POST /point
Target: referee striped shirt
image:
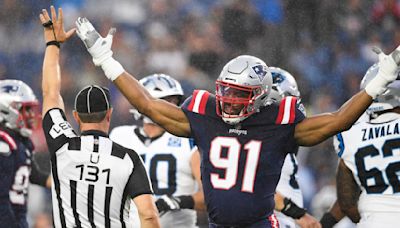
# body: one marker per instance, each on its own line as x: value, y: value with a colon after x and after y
x: 94, y: 178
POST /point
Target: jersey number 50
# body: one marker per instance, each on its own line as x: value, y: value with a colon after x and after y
x: 391, y: 169
x: 230, y: 163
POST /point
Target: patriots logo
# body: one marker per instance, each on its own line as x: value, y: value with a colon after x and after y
x: 9, y: 89
x: 277, y: 78
x: 259, y: 70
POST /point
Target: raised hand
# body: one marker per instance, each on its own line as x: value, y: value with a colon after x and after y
x: 54, y: 27
x: 388, y: 70
x: 99, y: 47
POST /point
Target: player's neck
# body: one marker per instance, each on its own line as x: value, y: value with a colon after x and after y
x: 152, y: 130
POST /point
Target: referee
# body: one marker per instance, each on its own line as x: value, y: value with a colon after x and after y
x: 94, y: 178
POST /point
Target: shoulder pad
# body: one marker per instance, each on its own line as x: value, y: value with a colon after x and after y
x: 7, y: 143
x: 198, y: 102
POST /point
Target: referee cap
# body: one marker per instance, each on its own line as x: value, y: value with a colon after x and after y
x: 92, y: 99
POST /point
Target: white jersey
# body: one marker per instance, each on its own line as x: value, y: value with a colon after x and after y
x: 168, y: 161
x: 94, y: 178
x: 289, y: 187
x: 371, y: 151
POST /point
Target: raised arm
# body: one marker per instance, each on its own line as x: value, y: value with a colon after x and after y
x: 54, y: 34
x: 169, y: 116
x: 316, y: 129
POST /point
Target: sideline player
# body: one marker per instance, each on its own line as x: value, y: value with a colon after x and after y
x: 370, y: 162
x: 94, y: 179
x: 288, y: 196
x: 173, y: 163
x: 19, y: 116
x: 233, y: 130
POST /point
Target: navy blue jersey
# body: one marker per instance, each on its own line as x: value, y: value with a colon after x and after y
x: 15, y: 169
x: 241, y: 164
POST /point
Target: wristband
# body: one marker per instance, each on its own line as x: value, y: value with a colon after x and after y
x: 328, y: 221
x: 186, y: 202
x: 112, y: 68
x: 53, y: 42
x: 292, y: 210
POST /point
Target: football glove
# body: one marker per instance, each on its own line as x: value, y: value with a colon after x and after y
x: 387, y: 73
x: 99, y: 47
x: 170, y: 203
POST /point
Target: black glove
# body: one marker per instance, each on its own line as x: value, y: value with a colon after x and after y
x: 170, y: 203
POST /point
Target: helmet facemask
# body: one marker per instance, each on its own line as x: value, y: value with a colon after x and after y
x: 235, y: 103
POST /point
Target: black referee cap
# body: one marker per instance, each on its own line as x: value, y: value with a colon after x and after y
x: 92, y: 99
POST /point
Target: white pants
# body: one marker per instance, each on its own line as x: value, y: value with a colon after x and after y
x: 379, y: 219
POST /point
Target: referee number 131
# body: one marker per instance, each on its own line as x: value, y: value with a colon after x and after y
x: 92, y: 173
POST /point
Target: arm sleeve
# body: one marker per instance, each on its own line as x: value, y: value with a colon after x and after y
x: 56, y: 129
x: 37, y: 176
x: 139, y: 182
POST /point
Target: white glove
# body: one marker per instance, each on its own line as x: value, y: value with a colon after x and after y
x: 387, y: 73
x: 99, y: 47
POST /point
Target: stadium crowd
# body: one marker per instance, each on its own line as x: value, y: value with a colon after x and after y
x: 325, y: 44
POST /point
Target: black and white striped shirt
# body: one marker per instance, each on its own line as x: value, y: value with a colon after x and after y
x: 94, y: 178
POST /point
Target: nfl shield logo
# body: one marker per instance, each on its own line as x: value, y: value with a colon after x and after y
x: 259, y: 70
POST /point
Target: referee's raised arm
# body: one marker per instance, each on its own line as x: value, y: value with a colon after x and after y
x: 54, y: 35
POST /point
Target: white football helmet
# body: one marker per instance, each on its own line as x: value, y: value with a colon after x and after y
x: 388, y: 100
x: 159, y: 86
x: 283, y: 84
x: 19, y: 108
x: 241, y: 88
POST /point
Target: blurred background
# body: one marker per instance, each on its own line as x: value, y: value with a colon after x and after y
x: 325, y: 44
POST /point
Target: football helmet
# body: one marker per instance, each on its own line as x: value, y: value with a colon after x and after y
x: 388, y: 100
x: 19, y: 108
x: 159, y: 86
x: 241, y: 88
x: 283, y: 84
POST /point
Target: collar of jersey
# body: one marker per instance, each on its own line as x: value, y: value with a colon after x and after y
x: 94, y: 132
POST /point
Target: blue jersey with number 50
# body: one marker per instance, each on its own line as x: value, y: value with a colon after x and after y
x: 241, y: 164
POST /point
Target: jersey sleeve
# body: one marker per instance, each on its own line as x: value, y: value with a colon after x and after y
x: 56, y: 129
x: 338, y: 144
x: 139, y: 182
x: 290, y: 111
x: 197, y: 103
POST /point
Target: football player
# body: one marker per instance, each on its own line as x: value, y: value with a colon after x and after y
x: 288, y: 197
x: 19, y: 116
x: 242, y: 142
x: 368, y: 182
x: 173, y: 163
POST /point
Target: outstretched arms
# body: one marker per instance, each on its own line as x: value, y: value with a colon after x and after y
x: 169, y: 116
x: 316, y: 129
x: 54, y: 34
